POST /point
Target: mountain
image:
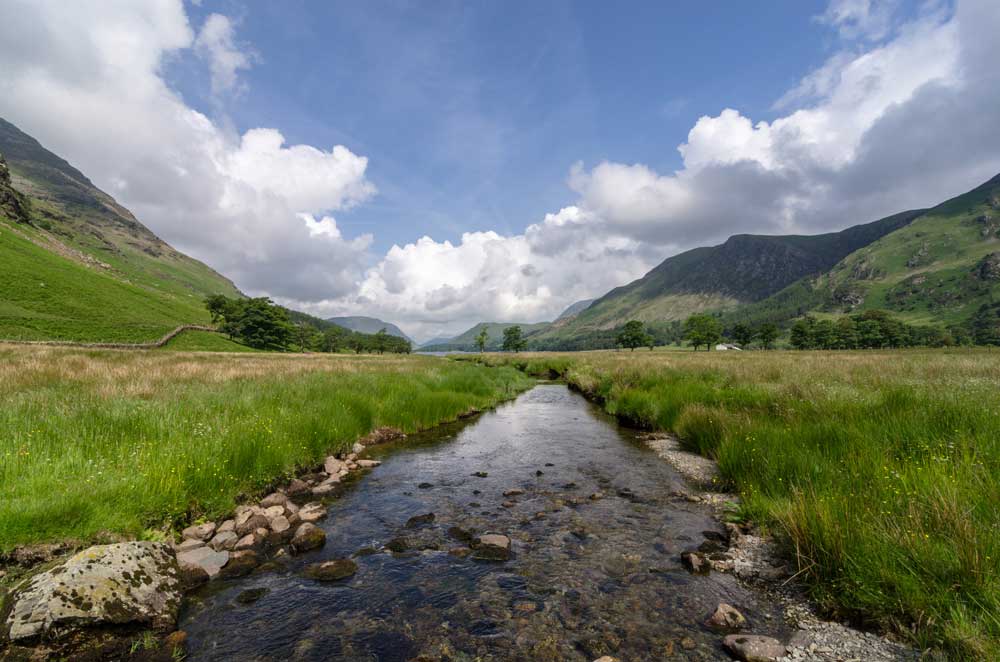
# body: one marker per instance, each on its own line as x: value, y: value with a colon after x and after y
x: 939, y: 269
x: 574, y: 309
x: 367, y: 325
x: 744, y: 269
x: 439, y: 340
x: 76, y: 265
x: 466, y: 342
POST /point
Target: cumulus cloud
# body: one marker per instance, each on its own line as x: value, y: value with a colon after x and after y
x: 85, y: 79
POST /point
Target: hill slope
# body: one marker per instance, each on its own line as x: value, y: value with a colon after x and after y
x: 367, y: 325
x: 744, y: 269
x: 938, y: 269
x: 79, y: 266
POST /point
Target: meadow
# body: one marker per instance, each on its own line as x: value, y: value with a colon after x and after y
x: 877, y: 470
x: 132, y: 443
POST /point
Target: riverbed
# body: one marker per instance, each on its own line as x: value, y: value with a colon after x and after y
x: 596, y: 527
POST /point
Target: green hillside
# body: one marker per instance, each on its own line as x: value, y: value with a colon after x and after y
x: 744, y: 269
x: 78, y: 266
x: 466, y: 341
x: 939, y: 269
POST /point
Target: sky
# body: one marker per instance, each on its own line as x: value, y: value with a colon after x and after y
x: 437, y: 164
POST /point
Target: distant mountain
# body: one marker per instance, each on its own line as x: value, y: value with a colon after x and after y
x: 744, y: 269
x: 76, y: 265
x: 466, y: 342
x: 367, y: 325
x: 574, y: 310
x: 440, y: 340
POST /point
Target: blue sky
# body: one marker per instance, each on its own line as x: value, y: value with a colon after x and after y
x: 437, y: 164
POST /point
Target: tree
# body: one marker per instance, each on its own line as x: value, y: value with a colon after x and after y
x: 702, y: 330
x: 307, y: 337
x: 802, y: 333
x: 263, y: 325
x: 870, y: 334
x: 218, y: 305
x: 381, y: 341
x: 767, y: 334
x: 824, y: 335
x: 847, y: 333
x: 512, y: 340
x: 633, y: 335
x: 741, y: 334
x: 482, y: 339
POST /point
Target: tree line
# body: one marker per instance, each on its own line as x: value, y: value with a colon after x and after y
x: 260, y: 323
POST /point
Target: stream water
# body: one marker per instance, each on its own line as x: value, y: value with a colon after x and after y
x: 588, y: 576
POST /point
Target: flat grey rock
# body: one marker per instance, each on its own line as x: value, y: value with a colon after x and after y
x: 124, y: 583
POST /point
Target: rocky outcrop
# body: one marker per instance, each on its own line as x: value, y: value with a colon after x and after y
x: 989, y: 268
x: 13, y: 204
x: 130, y: 583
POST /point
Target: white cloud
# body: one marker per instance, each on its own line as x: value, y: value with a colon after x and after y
x: 216, y: 44
x: 871, y: 19
x: 85, y: 79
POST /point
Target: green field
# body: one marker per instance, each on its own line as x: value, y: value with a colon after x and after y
x: 131, y: 442
x: 878, y: 470
x: 203, y: 341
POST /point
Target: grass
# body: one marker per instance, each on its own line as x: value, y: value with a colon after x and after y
x: 194, y: 340
x: 879, y: 470
x: 129, y: 441
x: 46, y: 296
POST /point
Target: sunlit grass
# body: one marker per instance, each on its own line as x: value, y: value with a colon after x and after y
x: 878, y: 469
x: 124, y: 441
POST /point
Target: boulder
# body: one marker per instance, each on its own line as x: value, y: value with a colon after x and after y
x: 280, y: 524
x: 333, y: 466
x: 297, y: 488
x: 193, y: 576
x: 188, y: 544
x: 274, y: 499
x: 249, y: 541
x: 308, y: 536
x: 491, y: 547
x: 754, y: 647
x: 330, y: 571
x: 357, y: 448
x: 224, y: 541
x: 368, y: 464
x: 206, y: 558
x: 228, y: 525
x: 274, y: 511
x: 121, y: 584
x: 199, y: 531
x: 726, y: 617
x: 291, y: 508
x: 250, y: 521
x: 240, y: 564
x: 312, y: 512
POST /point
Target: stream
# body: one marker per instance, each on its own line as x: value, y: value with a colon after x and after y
x: 588, y: 576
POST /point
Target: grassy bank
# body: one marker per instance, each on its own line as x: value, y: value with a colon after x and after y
x: 123, y: 441
x: 879, y: 469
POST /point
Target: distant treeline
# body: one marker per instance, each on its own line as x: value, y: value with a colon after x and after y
x: 262, y: 324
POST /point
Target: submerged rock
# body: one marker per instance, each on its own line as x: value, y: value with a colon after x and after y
x: 695, y: 563
x: 240, y: 564
x: 754, y: 647
x: 418, y: 520
x: 120, y: 584
x: 251, y: 595
x: 726, y: 617
x: 312, y: 512
x: 330, y: 571
x: 308, y: 536
x: 491, y: 547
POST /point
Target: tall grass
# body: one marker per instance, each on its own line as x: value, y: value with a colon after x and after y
x: 94, y: 441
x: 879, y: 470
